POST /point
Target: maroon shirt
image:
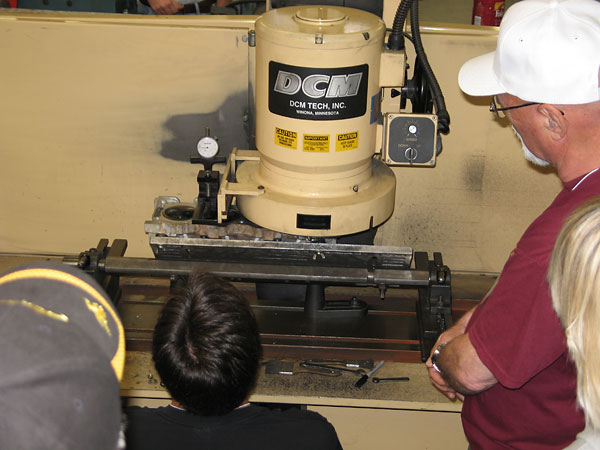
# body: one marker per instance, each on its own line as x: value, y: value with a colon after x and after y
x: 518, y: 337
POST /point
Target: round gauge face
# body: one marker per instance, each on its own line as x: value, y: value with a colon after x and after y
x: 208, y: 147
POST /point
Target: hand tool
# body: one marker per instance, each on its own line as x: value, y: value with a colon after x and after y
x: 325, y: 366
x: 350, y: 363
x: 383, y: 380
x: 362, y: 380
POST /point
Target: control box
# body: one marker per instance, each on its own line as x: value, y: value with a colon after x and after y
x: 410, y: 139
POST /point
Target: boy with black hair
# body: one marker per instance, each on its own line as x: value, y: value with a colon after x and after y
x: 206, y: 349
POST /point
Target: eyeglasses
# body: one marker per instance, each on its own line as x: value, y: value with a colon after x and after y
x: 499, y: 112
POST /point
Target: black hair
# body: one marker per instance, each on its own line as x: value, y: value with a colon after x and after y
x: 206, y: 346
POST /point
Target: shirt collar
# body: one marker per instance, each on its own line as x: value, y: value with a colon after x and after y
x: 575, y: 183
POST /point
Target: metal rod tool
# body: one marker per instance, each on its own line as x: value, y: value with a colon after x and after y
x: 362, y: 380
x: 384, y: 380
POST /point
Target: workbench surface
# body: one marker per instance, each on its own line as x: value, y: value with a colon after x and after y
x: 141, y: 380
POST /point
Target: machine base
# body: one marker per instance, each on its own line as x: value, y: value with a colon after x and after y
x: 365, y: 207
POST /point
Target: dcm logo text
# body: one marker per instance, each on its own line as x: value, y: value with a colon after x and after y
x: 317, y: 85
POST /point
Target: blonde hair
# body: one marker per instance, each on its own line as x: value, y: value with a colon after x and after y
x: 574, y: 278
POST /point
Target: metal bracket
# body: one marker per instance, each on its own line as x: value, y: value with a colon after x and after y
x: 92, y: 261
x: 230, y: 187
x: 434, y: 307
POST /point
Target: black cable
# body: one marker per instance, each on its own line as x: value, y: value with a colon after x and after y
x: 406, y: 35
x: 436, y: 91
x: 396, y: 38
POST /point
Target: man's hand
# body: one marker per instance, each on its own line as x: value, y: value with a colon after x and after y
x: 438, y: 381
x: 447, y: 336
x: 460, y: 369
x: 436, y: 378
x: 165, y: 6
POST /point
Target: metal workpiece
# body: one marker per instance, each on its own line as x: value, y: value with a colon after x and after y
x: 295, y: 253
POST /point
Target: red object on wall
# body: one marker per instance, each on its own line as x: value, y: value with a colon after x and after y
x: 487, y: 12
x: 12, y: 3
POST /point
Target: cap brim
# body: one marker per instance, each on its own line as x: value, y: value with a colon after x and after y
x: 68, y: 291
x: 476, y: 77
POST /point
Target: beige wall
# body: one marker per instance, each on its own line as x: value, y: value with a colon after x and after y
x: 93, y: 108
x: 88, y: 105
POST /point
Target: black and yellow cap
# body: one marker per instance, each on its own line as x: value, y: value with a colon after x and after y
x: 62, y: 356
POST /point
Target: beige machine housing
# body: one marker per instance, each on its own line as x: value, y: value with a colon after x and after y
x: 317, y: 107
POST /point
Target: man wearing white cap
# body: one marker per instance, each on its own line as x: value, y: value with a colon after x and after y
x: 507, y: 357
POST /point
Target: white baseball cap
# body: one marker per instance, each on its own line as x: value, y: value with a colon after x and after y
x: 548, y: 51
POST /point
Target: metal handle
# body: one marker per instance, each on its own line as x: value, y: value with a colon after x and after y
x: 383, y: 380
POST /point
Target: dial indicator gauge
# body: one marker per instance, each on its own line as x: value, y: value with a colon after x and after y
x: 208, y: 147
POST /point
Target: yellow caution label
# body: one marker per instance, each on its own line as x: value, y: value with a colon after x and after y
x: 346, y: 141
x: 318, y: 143
x: 286, y: 138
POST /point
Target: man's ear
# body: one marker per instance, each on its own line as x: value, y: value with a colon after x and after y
x: 554, y: 121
